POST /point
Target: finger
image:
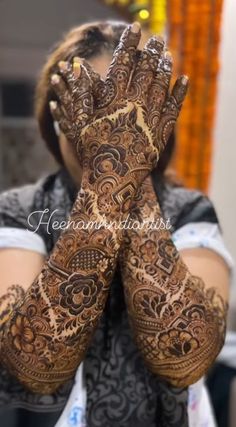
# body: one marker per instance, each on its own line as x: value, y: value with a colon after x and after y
x: 94, y: 76
x: 123, y: 61
x: 159, y: 90
x: 66, y: 71
x: 176, y: 99
x: 171, y: 111
x: 151, y: 55
x: 59, y: 116
x: 79, y: 83
x: 62, y: 92
x: 83, y: 104
x: 147, y: 65
x: 98, y: 84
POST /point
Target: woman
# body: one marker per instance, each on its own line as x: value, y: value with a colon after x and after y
x: 113, y: 132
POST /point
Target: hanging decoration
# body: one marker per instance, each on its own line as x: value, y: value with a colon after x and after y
x: 194, y: 36
x: 132, y: 10
x: 193, y: 30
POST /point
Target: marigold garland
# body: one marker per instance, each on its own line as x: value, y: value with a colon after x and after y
x: 194, y: 34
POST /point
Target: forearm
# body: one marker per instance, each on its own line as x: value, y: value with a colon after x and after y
x: 178, y: 320
x: 14, y: 294
x: 47, y: 334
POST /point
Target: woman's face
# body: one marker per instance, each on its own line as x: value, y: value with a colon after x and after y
x: 68, y: 151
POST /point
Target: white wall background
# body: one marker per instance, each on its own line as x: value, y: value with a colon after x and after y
x: 223, y: 181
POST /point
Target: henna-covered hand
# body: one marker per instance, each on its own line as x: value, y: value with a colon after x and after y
x: 178, y: 323
x: 120, y: 125
x: 60, y: 310
x: 44, y: 337
x: 177, y: 320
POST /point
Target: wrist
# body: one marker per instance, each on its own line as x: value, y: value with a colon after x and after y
x: 146, y: 199
x: 113, y: 195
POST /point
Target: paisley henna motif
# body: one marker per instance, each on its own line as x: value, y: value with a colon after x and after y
x: 178, y: 323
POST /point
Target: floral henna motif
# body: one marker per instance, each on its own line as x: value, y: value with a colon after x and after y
x: 178, y: 323
x: 79, y: 292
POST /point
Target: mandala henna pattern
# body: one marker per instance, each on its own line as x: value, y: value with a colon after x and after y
x: 178, y: 322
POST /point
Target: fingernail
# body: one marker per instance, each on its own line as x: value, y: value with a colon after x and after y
x: 52, y: 105
x: 76, y: 68
x: 135, y: 27
x: 184, y: 80
x: 55, y: 79
x: 62, y: 65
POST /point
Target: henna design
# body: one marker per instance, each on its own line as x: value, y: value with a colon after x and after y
x: 131, y: 112
x: 178, y: 322
x: 72, y: 120
x: 8, y: 302
x: 47, y: 335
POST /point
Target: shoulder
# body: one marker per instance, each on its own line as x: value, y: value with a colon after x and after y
x: 185, y: 206
x: 17, y: 203
x: 193, y: 218
x: 30, y: 208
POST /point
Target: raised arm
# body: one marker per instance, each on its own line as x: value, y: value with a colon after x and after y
x: 47, y: 333
x: 60, y: 310
x: 177, y: 309
x: 45, y: 336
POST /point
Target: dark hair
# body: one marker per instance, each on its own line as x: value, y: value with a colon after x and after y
x: 86, y: 41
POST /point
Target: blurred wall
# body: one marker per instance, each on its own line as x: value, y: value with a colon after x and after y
x: 29, y: 28
x: 223, y: 182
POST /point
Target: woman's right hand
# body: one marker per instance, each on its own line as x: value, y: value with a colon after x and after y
x: 119, y: 125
